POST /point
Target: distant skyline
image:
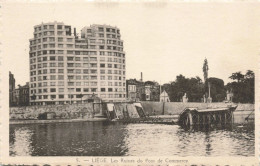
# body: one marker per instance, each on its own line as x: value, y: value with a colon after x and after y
x: 162, y: 40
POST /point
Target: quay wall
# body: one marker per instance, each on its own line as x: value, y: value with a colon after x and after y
x: 73, y: 111
x: 86, y: 111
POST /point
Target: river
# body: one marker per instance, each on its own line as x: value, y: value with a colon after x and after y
x: 118, y: 139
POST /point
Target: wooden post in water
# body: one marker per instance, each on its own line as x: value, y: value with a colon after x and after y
x: 190, y: 119
x: 163, y: 108
x: 203, y: 117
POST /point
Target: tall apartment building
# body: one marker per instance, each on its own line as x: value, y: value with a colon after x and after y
x: 68, y: 68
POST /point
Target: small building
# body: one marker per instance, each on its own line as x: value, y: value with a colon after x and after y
x: 24, y: 95
x: 164, y: 97
x: 134, y: 90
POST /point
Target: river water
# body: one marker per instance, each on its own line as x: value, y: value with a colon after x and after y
x: 118, y: 139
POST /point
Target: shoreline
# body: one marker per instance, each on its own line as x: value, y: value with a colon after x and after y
x: 36, y: 121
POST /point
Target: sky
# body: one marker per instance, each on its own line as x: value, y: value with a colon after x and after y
x: 161, y: 39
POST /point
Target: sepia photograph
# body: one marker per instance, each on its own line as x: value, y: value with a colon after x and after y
x: 130, y: 79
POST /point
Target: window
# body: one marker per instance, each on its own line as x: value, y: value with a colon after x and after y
x: 93, y: 71
x: 69, y: 45
x: 60, y: 83
x: 61, y: 89
x: 93, y: 77
x: 70, y: 64
x: 93, y: 83
x: 102, y: 65
x: 69, y: 52
x: 85, y: 89
x: 59, y: 26
x: 52, y: 51
x: 61, y: 77
x: 60, y: 52
x: 93, y: 65
x: 51, y: 39
x: 110, y: 89
x: 70, y: 77
x: 78, y: 77
x: 70, y: 71
x: 60, y: 58
x: 61, y: 96
x: 109, y: 66
x: 85, y: 77
x: 85, y: 58
x: 70, y: 58
x: 102, y: 77
x: 60, y: 45
x: 53, y: 96
x: 93, y: 89
x: 77, y: 59
x: 52, y: 70
x: 78, y: 83
x: 60, y: 33
x: 103, y: 89
x: 102, y: 71
x: 60, y: 39
x: 93, y: 58
x: 78, y: 64
x: 78, y: 71
x: 71, y: 83
x: 53, y: 89
x: 52, y: 58
x: 53, y: 77
x: 85, y: 65
x: 60, y: 64
x: 85, y: 71
x: 52, y: 64
x: 86, y: 83
x: 69, y: 40
x: 78, y: 89
x: 53, y: 83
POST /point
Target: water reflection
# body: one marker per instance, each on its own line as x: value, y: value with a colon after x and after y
x: 117, y: 139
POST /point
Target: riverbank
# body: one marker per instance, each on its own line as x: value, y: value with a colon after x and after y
x: 13, y: 122
x: 87, y: 112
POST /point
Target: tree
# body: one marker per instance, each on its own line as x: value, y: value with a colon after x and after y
x: 243, y: 87
x: 193, y: 87
x: 237, y: 76
x: 217, y: 89
x: 81, y: 95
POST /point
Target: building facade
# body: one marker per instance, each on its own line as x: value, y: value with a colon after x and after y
x: 135, y: 90
x: 66, y: 67
x: 24, y: 95
x: 11, y: 89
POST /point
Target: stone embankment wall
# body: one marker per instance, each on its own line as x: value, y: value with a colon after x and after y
x: 85, y: 111
x: 74, y: 111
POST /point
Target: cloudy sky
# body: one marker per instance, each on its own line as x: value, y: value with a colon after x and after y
x: 161, y: 40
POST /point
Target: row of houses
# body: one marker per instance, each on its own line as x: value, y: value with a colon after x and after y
x: 136, y: 90
x: 18, y: 96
